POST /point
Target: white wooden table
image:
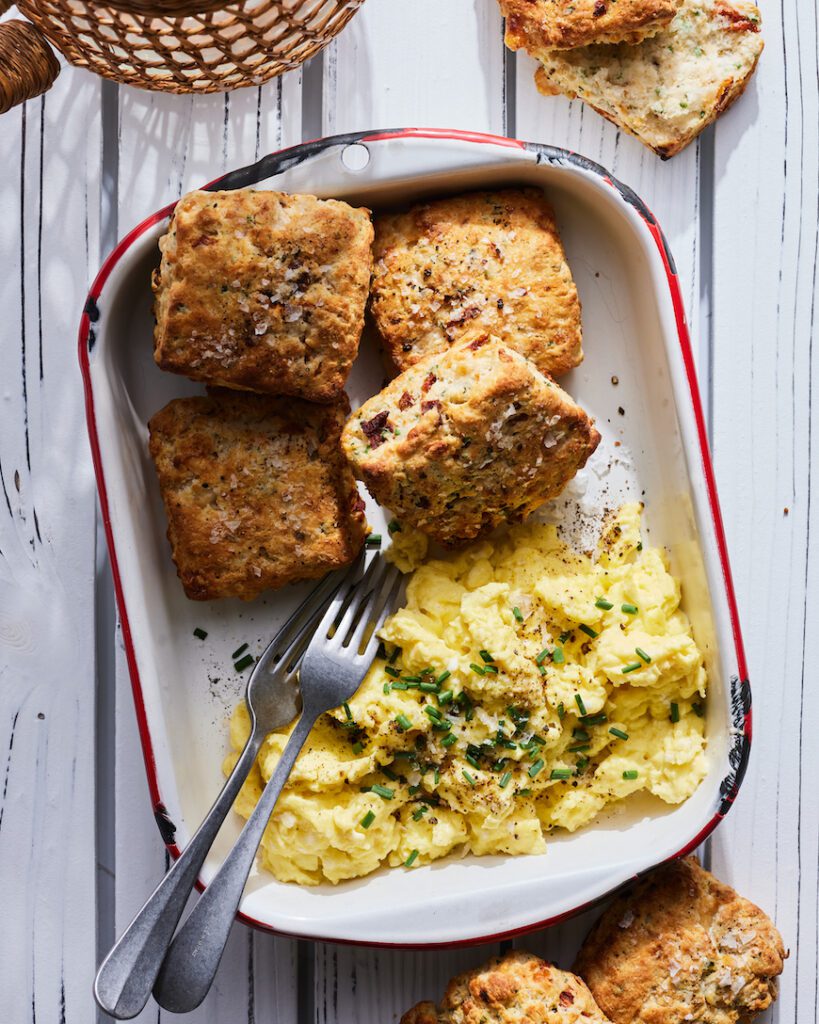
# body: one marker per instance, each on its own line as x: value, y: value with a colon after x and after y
x: 78, y: 846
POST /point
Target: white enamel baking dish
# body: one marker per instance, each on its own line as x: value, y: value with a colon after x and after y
x: 184, y: 688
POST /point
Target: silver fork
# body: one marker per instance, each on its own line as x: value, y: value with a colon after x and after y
x: 127, y: 975
x: 332, y: 669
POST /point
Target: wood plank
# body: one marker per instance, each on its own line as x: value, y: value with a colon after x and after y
x: 394, y: 68
x: 766, y: 436
x: 49, y: 208
x: 167, y: 146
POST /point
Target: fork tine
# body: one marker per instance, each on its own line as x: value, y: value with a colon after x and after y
x: 387, y: 606
x: 358, y: 601
x: 374, y: 610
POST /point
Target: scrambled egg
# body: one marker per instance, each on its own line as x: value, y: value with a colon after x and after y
x: 522, y: 689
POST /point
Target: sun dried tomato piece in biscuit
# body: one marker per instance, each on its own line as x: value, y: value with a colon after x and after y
x: 518, y: 988
x: 263, y: 291
x: 682, y: 946
x: 465, y: 441
x: 256, y: 490
x: 538, y: 25
x: 474, y: 264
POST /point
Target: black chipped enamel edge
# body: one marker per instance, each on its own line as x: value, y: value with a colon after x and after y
x: 166, y: 827
x: 740, y: 751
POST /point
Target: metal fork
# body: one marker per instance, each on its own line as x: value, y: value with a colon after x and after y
x: 127, y: 975
x: 332, y: 669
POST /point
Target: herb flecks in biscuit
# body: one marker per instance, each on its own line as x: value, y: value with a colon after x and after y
x: 666, y: 89
x: 476, y: 264
x: 538, y: 25
x: 518, y: 988
x: 460, y: 443
x: 263, y: 291
x: 680, y: 946
x: 256, y: 491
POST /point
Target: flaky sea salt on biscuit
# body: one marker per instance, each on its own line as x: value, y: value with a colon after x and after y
x: 538, y: 25
x: 465, y: 441
x: 467, y: 265
x: 682, y: 946
x: 256, y: 491
x: 518, y: 988
x: 263, y: 291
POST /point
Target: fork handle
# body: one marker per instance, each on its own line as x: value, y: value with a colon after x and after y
x: 191, y: 963
x: 127, y: 975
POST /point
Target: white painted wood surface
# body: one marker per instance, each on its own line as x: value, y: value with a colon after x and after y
x: 740, y: 211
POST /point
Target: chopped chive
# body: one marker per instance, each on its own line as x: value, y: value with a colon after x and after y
x: 368, y: 819
x: 536, y: 767
x: 581, y: 764
x: 642, y: 654
x: 374, y: 540
x: 471, y: 760
x: 560, y: 773
x: 390, y: 774
x: 442, y: 678
x: 394, y: 526
x: 639, y: 545
x: 433, y: 712
x: 436, y: 776
x: 491, y: 668
x: 631, y: 775
x: 517, y: 613
x: 394, y: 655
x: 449, y: 739
x: 561, y: 711
x: 412, y: 679
x: 469, y: 714
x: 428, y: 687
x: 601, y: 602
x: 413, y: 790
x: 358, y: 746
x: 618, y: 733
x: 400, y: 686
x: 445, y: 697
x: 629, y: 609
x: 632, y: 667
x: 347, y: 711
x: 243, y: 663
x: 698, y: 708
x: 394, y: 672
x: 542, y: 669
x: 411, y: 859
x: 544, y: 654
x: 444, y: 726
x: 675, y: 711
x: 239, y: 652
x: 597, y: 719
x: 588, y: 631
x: 563, y: 637
x: 579, y: 748
x: 580, y: 704
x: 504, y: 780
x: 383, y: 791
x: 523, y: 792
x: 477, y: 669
x: 422, y: 810
x: 486, y: 656
x: 558, y: 657
x: 469, y: 778
x: 387, y: 688
x: 403, y: 722
x: 200, y: 634
x: 580, y: 734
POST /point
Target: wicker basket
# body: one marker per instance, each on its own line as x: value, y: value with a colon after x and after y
x: 244, y: 44
x: 27, y: 63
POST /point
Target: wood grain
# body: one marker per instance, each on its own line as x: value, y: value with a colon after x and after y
x: 49, y: 208
x: 167, y: 146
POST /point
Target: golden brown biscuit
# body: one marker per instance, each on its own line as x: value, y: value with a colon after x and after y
x: 485, y: 262
x: 263, y: 291
x: 256, y: 490
x: 518, y: 988
x: 538, y: 25
x: 666, y: 89
x: 462, y: 442
x: 681, y: 946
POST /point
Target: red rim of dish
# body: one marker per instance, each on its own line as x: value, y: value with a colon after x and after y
x: 267, y: 167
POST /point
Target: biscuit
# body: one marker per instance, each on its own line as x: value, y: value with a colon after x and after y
x: 668, y: 88
x: 462, y: 442
x: 256, y: 491
x: 263, y: 291
x: 680, y: 945
x: 538, y: 25
x: 518, y: 988
x: 481, y: 263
